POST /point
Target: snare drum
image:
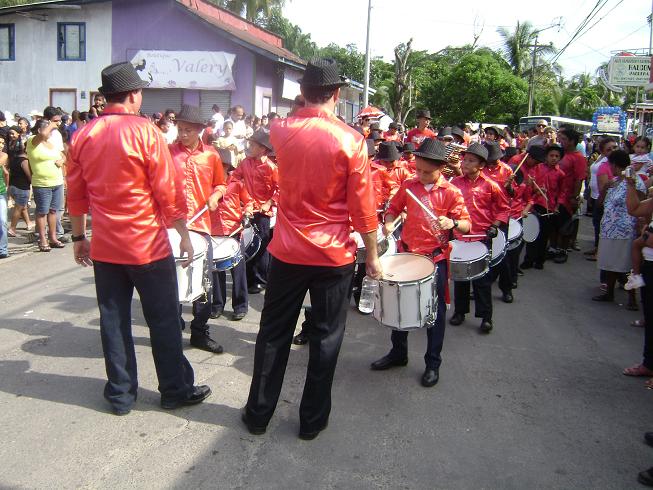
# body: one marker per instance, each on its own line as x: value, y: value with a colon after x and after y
x: 191, y: 281
x: 468, y: 260
x: 515, y: 233
x: 531, y: 227
x: 498, y: 248
x: 226, y: 253
x: 382, y: 245
x: 250, y: 242
x: 405, y: 296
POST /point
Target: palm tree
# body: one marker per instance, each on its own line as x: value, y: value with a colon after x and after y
x: 250, y: 9
x: 517, y: 47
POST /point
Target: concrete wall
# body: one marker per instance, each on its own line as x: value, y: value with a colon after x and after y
x: 25, y: 83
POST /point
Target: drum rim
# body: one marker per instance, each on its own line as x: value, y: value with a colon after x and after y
x: 413, y: 281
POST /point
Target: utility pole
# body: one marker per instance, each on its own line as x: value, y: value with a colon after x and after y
x: 531, y: 82
x: 366, y: 87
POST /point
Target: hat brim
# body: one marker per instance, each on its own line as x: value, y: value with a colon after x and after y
x: 269, y: 147
x: 142, y: 84
x: 189, y: 121
x: 475, y: 154
x: 430, y: 158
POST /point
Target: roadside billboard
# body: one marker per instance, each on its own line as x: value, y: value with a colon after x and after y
x: 629, y: 71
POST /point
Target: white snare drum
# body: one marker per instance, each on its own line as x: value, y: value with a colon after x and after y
x: 192, y: 281
x: 405, y: 296
x: 531, y: 227
x: 273, y: 220
x: 382, y: 245
x: 515, y: 232
x: 226, y: 253
x: 250, y: 242
x: 498, y: 248
x: 468, y: 260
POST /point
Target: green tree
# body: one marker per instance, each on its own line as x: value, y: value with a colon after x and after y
x: 517, y: 47
x: 251, y: 10
x: 294, y: 39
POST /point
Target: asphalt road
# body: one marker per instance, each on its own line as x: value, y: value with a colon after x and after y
x: 538, y: 403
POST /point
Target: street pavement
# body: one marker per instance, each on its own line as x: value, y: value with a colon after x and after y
x: 538, y: 403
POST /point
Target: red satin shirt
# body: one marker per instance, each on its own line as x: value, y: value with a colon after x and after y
x: 485, y: 201
x: 261, y: 178
x: 552, y: 182
x: 499, y: 173
x: 120, y: 168
x: 410, y: 166
x: 416, y: 136
x: 574, y: 166
x: 324, y: 189
x: 420, y: 232
x: 233, y: 205
x: 202, y: 176
x: 381, y: 183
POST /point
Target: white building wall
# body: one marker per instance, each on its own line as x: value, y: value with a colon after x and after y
x: 26, y: 82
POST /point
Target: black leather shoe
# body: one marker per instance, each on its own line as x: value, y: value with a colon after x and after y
x: 457, y: 319
x: 387, y: 362
x: 204, y: 342
x: 121, y: 411
x: 525, y: 265
x: 309, y: 436
x: 215, y: 314
x: 507, y: 298
x: 646, y: 477
x: 430, y: 377
x: 196, y: 395
x: 648, y: 437
x: 486, y: 326
x: 256, y: 289
x: 236, y: 317
x: 253, y: 429
x: 300, y: 339
x: 539, y: 267
x: 514, y: 285
x: 520, y: 272
x: 560, y: 258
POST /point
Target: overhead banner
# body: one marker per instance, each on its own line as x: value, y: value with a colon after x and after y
x: 208, y: 70
x: 629, y: 71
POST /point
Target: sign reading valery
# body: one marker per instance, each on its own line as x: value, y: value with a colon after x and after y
x: 629, y: 71
x: 208, y: 70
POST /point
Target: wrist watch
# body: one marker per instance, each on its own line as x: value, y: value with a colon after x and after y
x: 455, y: 224
x: 78, y: 238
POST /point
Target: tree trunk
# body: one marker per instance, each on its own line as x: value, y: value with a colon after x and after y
x: 401, y: 85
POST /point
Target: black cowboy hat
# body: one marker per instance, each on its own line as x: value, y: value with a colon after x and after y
x: 408, y: 148
x: 190, y: 114
x: 479, y: 150
x: 423, y: 113
x: 432, y: 149
x: 371, y: 148
x: 120, y: 77
x: 322, y: 72
x: 376, y: 136
x: 538, y: 153
x: 494, y: 152
x: 388, y: 152
x: 262, y: 138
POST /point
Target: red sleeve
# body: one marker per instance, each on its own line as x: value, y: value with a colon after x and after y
x: 360, y: 192
x: 500, y: 204
x: 458, y: 209
x: 76, y: 185
x: 562, y: 194
x: 218, y: 175
x: 581, y: 168
x: 398, y: 202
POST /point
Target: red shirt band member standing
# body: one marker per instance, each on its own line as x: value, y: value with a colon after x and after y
x: 422, y: 131
x: 119, y: 167
x: 422, y: 235
x: 489, y: 209
x: 324, y: 190
x: 204, y: 185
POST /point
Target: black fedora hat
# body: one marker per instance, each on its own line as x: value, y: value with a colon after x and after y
x: 376, y: 135
x: 537, y: 153
x: 262, y: 138
x: 445, y: 133
x: 393, y: 125
x: 408, y: 148
x: 322, y: 72
x: 498, y: 131
x: 423, y: 113
x: 388, y: 152
x: 456, y: 131
x: 190, y: 114
x: 510, y: 152
x: 479, y: 150
x: 432, y: 149
x: 494, y: 152
x: 120, y: 77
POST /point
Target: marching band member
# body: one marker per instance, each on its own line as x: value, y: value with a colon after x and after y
x: 422, y: 235
x: 489, y: 210
x: 388, y: 157
x: 408, y: 158
x: 204, y: 184
x: 547, y: 188
x: 500, y: 173
x: 261, y: 177
x: 458, y: 135
x: 520, y: 207
x: 422, y: 131
x: 392, y: 134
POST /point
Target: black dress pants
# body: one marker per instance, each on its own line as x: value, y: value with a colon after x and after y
x: 647, y: 304
x: 330, y: 289
x: 257, y: 268
x: 482, y: 296
x: 536, y: 251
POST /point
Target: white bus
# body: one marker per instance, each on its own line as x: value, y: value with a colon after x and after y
x: 527, y: 122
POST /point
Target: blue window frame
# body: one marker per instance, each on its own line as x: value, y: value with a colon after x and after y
x: 7, y: 42
x: 71, y: 41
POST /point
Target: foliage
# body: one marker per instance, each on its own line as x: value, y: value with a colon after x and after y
x: 294, y: 39
x: 252, y: 10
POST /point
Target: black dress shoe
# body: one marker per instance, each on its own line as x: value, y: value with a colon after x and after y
x: 603, y: 298
x: 215, y: 314
x: 300, y: 339
x: 430, y: 377
x: 507, y: 298
x: 196, y: 395
x: 648, y: 437
x: 560, y: 258
x: 525, y: 265
x: 256, y: 289
x: 520, y: 272
x: 514, y: 285
x: 204, y: 342
x: 255, y: 430
x: 121, y: 411
x: 646, y: 477
x: 457, y: 319
x: 486, y: 325
x: 309, y: 436
x: 539, y: 267
x: 236, y: 317
x: 387, y: 362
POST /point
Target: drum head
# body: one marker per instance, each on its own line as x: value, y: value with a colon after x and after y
x: 224, y: 247
x: 406, y: 267
x: 467, y: 251
x: 514, y: 230
x: 498, y: 244
x: 531, y: 228
x: 247, y: 236
x: 197, y: 240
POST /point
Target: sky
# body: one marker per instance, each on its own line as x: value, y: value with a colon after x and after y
x: 435, y: 24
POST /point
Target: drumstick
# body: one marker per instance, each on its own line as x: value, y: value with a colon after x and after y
x: 200, y: 213
x: 521, y: 163
x: 396, y: 222
x: 421, y: 204
x: 543, y: 195
x: 236, y: 231
x: 474, y: 236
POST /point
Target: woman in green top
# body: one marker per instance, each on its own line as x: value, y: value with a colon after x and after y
x: 46, y: 164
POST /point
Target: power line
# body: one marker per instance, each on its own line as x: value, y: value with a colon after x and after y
x: 599, y: 50
x: 597, y: 8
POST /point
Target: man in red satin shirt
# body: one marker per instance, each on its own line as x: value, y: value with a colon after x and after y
x: 324, y: 190
x: 120, y: 167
